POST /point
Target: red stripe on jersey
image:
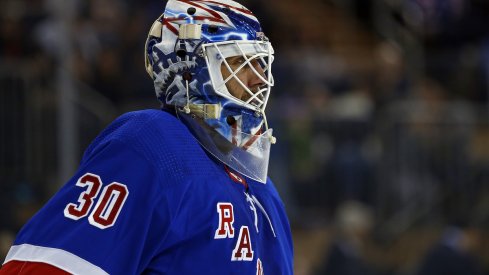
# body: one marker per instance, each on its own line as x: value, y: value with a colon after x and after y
x: 30, y: 268
x: 235, y: 177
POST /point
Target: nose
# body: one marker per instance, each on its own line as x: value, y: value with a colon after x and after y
x: 256, y: 80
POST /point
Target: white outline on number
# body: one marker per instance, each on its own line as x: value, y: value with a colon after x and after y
x: 81, y: 199
x: 109, y: 206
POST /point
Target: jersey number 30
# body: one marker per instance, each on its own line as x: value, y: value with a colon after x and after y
x: 107, y: 206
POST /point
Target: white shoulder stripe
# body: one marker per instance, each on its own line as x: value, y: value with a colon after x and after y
x: 53, y: 256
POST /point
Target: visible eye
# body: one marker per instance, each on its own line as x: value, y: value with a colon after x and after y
x: 237, y: 60
x: 256, y: 63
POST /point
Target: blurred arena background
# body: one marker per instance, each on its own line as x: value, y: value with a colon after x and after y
x: 381, y: 109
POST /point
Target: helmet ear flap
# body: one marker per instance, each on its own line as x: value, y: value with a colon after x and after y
x: 154, y: 33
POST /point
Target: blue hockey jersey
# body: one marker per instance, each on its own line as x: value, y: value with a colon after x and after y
x: 147, y: 199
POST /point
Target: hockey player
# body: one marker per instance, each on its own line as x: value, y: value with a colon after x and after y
x: 182, y: 190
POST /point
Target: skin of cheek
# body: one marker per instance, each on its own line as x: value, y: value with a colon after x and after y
x: 233, y: 86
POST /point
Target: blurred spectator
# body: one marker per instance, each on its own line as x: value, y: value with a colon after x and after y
x: 479, y: 160
x: 6, y: 240
x: 348, y: 174
x: 454, y: 253
x: 389, y: 77
x: 346, y: 254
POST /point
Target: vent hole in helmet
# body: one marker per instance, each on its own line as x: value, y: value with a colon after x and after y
x: 181, y: 53
x: 212, y: 28
x: 230, y: 120
x: 191, y: 11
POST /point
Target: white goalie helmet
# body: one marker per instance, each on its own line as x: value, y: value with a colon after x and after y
x: 211, y: 63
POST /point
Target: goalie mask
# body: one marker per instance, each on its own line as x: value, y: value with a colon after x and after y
x: 211, y: 62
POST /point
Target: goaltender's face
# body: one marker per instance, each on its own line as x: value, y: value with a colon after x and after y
x: 246, y: 75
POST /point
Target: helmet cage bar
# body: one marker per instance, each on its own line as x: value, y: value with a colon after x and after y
x: 248, y: 60
x: 260, y: 50
x: 260, y: 93
x: 254, y: 95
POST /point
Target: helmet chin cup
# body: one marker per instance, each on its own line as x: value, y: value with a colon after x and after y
x: 250, y: 161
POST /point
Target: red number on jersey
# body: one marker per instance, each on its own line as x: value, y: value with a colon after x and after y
x: 85, y: 200
x: 108, y: 206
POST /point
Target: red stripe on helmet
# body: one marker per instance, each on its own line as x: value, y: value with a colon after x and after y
x: 212, y: 12
x: 234, y: 133
x: 252, y: 139
x: 166, y: 22
x: 245, y: 11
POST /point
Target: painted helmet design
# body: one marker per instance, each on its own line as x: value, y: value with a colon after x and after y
x: 211, y: 62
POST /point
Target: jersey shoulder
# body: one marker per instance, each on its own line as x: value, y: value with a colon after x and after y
x: 132, y: 126
x: 160, y: 138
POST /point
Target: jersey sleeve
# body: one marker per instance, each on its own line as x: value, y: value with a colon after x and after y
x: 106, y: 219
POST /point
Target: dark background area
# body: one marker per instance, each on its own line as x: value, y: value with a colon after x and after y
x: 380, y: 107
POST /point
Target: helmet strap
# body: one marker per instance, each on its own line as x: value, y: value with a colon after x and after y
x: 186, y: 109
